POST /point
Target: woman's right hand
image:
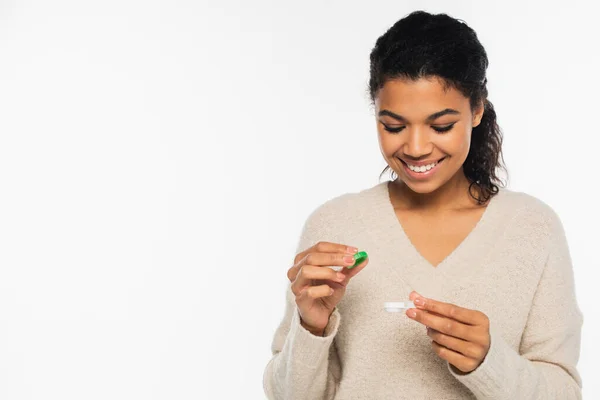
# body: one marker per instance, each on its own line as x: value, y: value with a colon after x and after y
x: 319, y: 289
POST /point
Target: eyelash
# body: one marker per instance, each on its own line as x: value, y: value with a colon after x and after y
x: 439, y: 130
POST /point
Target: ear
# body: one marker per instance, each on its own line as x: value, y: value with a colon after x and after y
x: 478, y: 115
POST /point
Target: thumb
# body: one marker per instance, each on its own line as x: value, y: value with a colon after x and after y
x: 351, y: 272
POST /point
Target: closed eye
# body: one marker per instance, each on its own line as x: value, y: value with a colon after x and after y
x: 437, y: 129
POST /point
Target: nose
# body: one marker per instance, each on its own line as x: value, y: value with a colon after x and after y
x: 418, y: 143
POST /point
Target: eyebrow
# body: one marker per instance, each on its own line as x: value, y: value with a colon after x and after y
x: 430, y: 118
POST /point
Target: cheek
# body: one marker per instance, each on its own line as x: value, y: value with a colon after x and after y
x: 456, y: 143
x: 387, y: 144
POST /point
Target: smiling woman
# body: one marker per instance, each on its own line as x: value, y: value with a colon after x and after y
x: 483, y: 272
x: 441, y: 108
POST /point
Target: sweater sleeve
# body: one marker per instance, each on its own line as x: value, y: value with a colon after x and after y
x: 544, y: 367
x: 303, y: 366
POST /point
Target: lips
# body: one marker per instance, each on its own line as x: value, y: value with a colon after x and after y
x: 421, y: 163
x: 419, y: 176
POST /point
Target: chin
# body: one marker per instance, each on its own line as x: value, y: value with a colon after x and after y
x: 422, y: 188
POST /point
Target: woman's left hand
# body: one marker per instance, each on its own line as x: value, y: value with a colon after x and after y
x: 460, y: 336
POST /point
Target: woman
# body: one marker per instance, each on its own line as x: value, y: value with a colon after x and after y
x: 488, y: 268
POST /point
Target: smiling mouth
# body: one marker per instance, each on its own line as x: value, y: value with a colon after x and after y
x: 437, y: 162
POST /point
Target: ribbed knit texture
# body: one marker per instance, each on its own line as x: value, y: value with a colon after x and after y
x: 514, y: 266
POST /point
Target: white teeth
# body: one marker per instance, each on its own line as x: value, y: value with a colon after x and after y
x: 422, y: 168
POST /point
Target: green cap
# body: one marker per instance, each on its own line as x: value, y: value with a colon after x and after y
x: 359, y: 257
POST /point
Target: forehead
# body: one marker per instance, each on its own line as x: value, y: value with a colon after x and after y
x: 423, y: 96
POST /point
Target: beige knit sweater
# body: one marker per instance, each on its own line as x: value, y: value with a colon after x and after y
x: 514, y: 266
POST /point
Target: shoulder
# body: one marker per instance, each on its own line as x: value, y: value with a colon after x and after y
x: 345, y: 206
x: 330, y: 219
x: 531, y: 204
x: 531, y: 211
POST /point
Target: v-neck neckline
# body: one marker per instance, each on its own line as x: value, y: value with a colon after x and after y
x: 466, y: 253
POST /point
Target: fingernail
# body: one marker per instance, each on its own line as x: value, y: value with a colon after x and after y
x: 341, y: 276
x: 412, y: 313
x: 349, y: 259
x: 419, y: 301
x: 352, y: 250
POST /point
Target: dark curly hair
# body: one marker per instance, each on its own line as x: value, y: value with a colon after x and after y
x: 423, y: 45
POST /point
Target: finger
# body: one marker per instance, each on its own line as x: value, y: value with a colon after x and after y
x: 309, y: 273
x: 350, y: 273
x: 313, y: 292
x: 414, y: 295
x: 445, y: 325
x: 325, y: 247
x: 459, y: 361
x: 321, y: 259
x: 468, y: 349
x: 464, y: 315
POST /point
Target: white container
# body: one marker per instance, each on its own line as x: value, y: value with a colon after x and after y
x: 398, y: 306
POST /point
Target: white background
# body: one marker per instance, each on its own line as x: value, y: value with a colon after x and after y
x: 158, y: 160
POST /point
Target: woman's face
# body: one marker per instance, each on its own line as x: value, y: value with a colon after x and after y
x: 416, y: 109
